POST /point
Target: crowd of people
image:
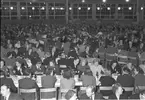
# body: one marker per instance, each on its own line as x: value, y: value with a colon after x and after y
x: 94, y: 52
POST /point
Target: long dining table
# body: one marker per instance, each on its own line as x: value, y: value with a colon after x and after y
x: 38, y: 80
x: 58, y: 77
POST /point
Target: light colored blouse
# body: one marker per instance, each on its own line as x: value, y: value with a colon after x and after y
x: 67, y: 83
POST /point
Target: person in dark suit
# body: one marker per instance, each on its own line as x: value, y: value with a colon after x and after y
x: 49, y: 80
x: 90, y: 94
x: 108, y: 81
x: 117, y: 92
x: 28, y: 83
x: 126, y: 80
x: 8, y: 81
x: 7, y: 94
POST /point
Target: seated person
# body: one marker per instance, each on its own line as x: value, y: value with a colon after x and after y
x: 88, y: 79
x: 115, y: 67
x: 71, y: 95
x: 82, y: 66
x: 8, y: 81
x: 96, y: 68
x: 139, y: 78
x: 107, y: 81
x: 138, y: 96
x: 3, y: 68
x: 91, y: 94
x: 67, y: 82
x: 7, y: 94
x: 28, y: 83
x: 19, y: 68
x: 117, y: 92
x: 38, y: 68
x: 49, y: 80
x: 126, y: 80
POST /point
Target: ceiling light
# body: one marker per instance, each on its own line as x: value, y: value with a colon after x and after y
x: 79, y: 8
x: 108, y: 8
x: 89, y: 8
x: 98, y: 8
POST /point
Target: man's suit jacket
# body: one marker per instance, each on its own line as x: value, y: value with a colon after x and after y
x: 48, y: 81
x: 28, y: 83
x: 107, y: 81
x: 9, y: 82
x: 98, y: 96
x: 13, y: 96
x: 113, y: 97
x: 126, y: 80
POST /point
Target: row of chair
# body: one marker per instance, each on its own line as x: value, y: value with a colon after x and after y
x: 63, y: 91
x: 107, y: 88
x: 42, y: 90
x: 122, y: 59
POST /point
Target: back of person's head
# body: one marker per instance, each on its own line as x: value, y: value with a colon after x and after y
x: 142, y: 95
x: 67, y: 74
x: 90, y: 90
x: 70, y: 95
x: 115, y: 87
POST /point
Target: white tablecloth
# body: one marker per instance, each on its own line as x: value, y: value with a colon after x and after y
x: 38, y: 80
x: 57, y: 84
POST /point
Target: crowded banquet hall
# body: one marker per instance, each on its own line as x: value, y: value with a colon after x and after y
x: 72, y: 50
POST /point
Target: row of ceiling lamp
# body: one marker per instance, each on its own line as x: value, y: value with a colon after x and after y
x: 79, y: 8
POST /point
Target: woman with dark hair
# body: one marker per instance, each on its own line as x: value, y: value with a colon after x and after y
x: 117, y: 92
x: 82, y: 66
x: 19, y: 68
x: 3, y: 69
x: 115, y: 68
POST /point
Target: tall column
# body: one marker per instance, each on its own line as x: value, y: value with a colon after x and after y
x: 18, y: 10
x: 94, y: 11
x: 66, y: 12
x: 71, y: 12
x: 139, y: 12
x: 47, y: 11
x: 116, y: 11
